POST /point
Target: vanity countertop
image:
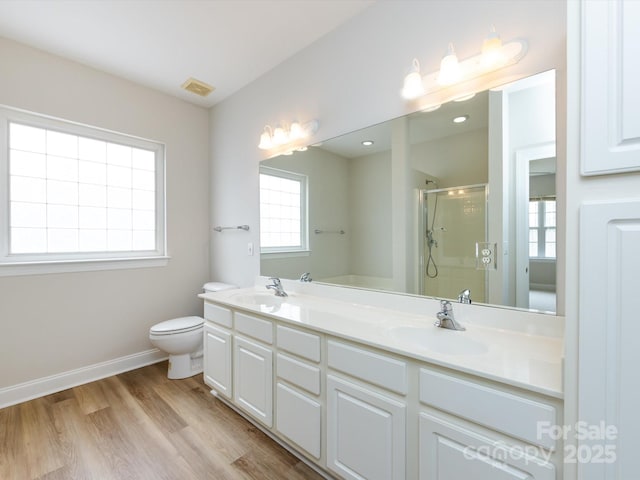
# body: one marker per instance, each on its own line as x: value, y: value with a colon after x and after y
x: 519, y: 358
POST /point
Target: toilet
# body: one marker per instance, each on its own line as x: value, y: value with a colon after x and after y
x: 181, y: 338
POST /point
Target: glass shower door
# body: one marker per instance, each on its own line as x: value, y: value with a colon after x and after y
x: 455, y: 219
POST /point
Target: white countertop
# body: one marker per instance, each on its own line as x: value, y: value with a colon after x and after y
x: 511, y: 356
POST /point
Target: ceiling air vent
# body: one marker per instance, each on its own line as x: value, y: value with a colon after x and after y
x: 196, y: 86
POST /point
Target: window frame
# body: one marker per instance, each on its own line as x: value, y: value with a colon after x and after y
x: 29, y: 263
x: 542, y: 228
x: 285, y: 251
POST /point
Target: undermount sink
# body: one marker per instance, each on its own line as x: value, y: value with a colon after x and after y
x: 448, y: 342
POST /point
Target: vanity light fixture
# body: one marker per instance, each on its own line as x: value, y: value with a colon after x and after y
x: 413, y: 86
x: 493, y: 56
x: 460, y: 119
x: 283, y: 138
x: 449, y: 68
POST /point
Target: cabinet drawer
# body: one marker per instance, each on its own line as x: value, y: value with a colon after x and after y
x: 254, y: 327
x: 372, y: 367
x: 302, y: 344
x: 216, y: 314
x: 505, y: 412
x: 298, y: 373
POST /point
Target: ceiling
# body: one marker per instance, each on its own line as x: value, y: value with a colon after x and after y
x: 161, y: 43
x: 423, y: 127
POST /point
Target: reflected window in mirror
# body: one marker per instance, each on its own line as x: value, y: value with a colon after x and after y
x: 283, y: 207
x: 542, y: 228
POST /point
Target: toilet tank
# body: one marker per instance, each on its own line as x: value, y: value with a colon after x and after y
x: 217, y: 287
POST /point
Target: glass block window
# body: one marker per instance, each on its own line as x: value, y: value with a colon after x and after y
x: 542, y: 228
x: 78, y: 193
x: 283, y: 211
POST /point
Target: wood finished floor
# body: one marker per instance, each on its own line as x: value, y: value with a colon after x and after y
x: 138, y: 425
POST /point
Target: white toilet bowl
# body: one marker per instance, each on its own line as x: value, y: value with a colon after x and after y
x: 182, y: 338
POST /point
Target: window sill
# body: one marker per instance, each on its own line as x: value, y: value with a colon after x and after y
x: 290, y: 254
x: 68, y: 266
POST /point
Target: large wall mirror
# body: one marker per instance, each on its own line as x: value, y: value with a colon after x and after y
x: 433, y: 203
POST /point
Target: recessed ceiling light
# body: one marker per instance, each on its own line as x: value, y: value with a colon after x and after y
x: 460, y: 119
x: 367, y: 143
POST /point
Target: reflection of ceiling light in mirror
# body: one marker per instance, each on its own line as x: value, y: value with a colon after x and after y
x: 460, y: 119
x: 367, y: 143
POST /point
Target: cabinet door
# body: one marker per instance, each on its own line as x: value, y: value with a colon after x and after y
x: 449, y: 451
x: 298, y: 417
x: 365, y: 432
x: 253, y: 379
x: 610, y: 95
x: 217, y: 359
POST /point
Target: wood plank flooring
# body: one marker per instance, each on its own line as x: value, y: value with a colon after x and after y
x: 138, y: 425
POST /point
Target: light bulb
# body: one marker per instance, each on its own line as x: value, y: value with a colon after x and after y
x: 265, y: 139
x: 280, y: 137
x: 295, y: 131
x: 492, y: 55
x: 449, y: 68
x: 413, y: 86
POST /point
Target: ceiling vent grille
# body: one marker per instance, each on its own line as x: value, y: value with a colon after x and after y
x: 196, y: 86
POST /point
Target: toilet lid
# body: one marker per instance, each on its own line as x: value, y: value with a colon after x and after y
x: 177, y: 325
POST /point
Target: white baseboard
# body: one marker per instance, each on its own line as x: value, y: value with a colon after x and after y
x: 61, y: 381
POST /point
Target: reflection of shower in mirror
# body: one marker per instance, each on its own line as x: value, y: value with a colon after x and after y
x: 454, y: 219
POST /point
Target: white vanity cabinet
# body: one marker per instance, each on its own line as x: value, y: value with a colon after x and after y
x: 298, y: 388
x: 217, y: 349
x: 253, y: 366
x: 470, y: 430
x: 359, y: 410
x: 366, y: 413
x: 217, y: 359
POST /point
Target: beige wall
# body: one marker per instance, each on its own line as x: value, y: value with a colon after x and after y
x: 55, y: 323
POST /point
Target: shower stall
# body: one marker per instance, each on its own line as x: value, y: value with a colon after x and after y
x: 452, y: 221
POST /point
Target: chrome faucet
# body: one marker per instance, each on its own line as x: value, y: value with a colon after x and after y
x: 276, y: 286
x: 446, y: 318
x: 465, y: 296
x: 305, y: 277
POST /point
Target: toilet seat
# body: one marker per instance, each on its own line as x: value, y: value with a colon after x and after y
x: 177, y: 325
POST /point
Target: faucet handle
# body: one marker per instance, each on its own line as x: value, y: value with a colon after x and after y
x: 465, y: 296
x: 446, y: 306
x: 275, y: 280
x: 305, y: 277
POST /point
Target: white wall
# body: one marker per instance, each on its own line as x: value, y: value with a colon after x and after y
x: 59, y: 322
x: 370, y: 216
x: 351, y: 79
x: 455, y: 160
